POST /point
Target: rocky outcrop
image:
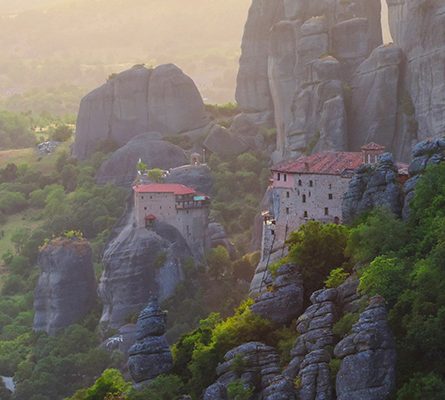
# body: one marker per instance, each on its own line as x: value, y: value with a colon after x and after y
x: 260, y: 371
x: 375, y: 88
x: 120, y: 168
x: 282, y: 302
x: 368, y: 355
x: 218, y: 237
x: 139, y: 100
x: 380, y: 186
x: 140, y: 263
x: 221, y: 142
x: 418, y: 27
x: 374, y: 186
x: 198, y: 177
x: 297, y: 60
x: 66, y: 290
x: 313, y: 348
x: 426, y: 153
x: 150, y: 356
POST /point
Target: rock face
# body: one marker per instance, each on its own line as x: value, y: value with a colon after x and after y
x: 375, y: 88
x: 150, y: 356
x: 198, y: 177
x: 260, y: 371
x: 139, y: 100
x: 120, y: 167
x: 283, y: 301
x: 66, y: 290
x: 368, y: 355
x: 319, y: 68
x: 221, y: 141
x: 418, y: 27
x: 140, y: 263
x: 426, y: 153
x: 379, y: 186
x: 374, y: 186
x: 312, y: 352
x: 297, y: 60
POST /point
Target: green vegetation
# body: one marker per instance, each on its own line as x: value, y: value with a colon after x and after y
x: 336, y: 278
x: 407, y: 268
x: 318, y: 249
x: 239, y: 185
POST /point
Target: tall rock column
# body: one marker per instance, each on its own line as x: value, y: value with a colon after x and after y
x: 150, y: 356
x: 368, y: 355
x: 418, y: 27
x: 66, y: 290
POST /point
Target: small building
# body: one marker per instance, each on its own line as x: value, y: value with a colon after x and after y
x: 174, y: 204
x: 311, y: 188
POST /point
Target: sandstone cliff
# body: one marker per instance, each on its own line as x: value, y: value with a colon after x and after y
x: 136, y: 101
x: 320, y: 71
x: 66, y: 290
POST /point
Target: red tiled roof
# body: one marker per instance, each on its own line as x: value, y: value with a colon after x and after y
x: 373, y: 146
x: 175, y: 188
x: 326, y: 163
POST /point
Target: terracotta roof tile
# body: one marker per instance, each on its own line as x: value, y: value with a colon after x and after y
x: 175, y: 188
x: 373, y: 146
x: 326, y: 163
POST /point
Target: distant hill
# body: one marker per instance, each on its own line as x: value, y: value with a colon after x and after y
x: 47, y: 43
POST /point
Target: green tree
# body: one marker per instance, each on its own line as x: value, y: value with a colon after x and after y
x: 156, y: 175
x: 219, y: 262
x: 318, y: 249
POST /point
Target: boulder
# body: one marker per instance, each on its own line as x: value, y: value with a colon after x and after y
x: 260, y: 371
x: 218, y: 237
x: 282, y: 302
x: 221, y: 142
x: 121, y: 167
x: 150, y: 356
x: 198, y: 177
x: 139, y: 263
x: 66, y: 289
x: 139, y: 100
x: 371, y: 187
x: 367, y: 370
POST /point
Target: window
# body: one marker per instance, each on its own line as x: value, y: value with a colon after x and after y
x: 287, y: 210
x: 285, y: 177
x: 326, y: 211
x: 304, y: 198
x: 310, y: 193
x: 300, y: 183
x: 273, y: 232
x: 287, y: 194
x: 311, y: 183
x: 305, y: 214
x: 142, y: 197
x: 145, y: 208
x: 330, y: 186
x: 279, y: 177
x: 151, y: 197
x: 331, y: 196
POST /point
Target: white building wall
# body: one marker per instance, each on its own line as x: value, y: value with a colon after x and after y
x: 312, y: 197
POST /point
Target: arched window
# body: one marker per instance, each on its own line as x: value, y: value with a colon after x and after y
x: 304, y: 198
x: 311, y: 183
x: 300, y: 183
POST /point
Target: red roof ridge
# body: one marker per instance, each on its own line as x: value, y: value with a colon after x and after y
x: 176, y: 188
x: 373, y: 146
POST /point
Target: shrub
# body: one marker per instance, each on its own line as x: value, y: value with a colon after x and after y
x: 336, y: 277
x: 62, y: 133
x: 318, y: 248
x: 238, y: 390
x: 423, y: 386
